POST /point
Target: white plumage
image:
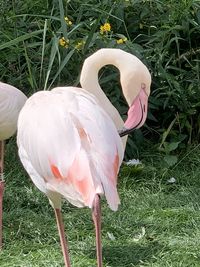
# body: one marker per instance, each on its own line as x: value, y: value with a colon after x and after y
x: 68, y: 140
x: 69, y: 145
x: 11, y: 102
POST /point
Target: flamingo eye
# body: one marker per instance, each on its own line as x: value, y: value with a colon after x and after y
x: 143, y: 86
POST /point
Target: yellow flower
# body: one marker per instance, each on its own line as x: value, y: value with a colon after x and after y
x: 105, y: 28
x: 121, y: 40
x: 80, y: 45
x: 64, y: 42
x: 68, y: 21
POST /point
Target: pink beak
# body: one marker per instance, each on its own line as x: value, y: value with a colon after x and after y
x: 137, y: 113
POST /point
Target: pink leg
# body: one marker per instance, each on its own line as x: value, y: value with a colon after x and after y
x: 96, y: 215
x: 1, y: 188
x: 63, y: 240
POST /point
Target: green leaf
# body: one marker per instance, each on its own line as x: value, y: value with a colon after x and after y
x: 91, y: 34
x: 63, y: 64
x: 170, y: 160
x: 43, y: 49
x: 172, y: 146
x: 20, y: 39
x: 62, y: 19
x: 165, y: 134
x: 54, y: 50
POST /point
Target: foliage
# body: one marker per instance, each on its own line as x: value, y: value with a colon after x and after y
x: 44, y: 43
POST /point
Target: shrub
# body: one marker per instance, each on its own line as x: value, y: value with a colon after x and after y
x: 44, y: 44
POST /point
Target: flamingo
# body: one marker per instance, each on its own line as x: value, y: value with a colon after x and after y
x: 71, y: 149
x: 11, y: 102
x: 135, y: 82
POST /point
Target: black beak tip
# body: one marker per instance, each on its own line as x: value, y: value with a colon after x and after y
x: 124, y: 131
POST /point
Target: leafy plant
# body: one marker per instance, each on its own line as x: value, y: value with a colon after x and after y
x: 44, y: 43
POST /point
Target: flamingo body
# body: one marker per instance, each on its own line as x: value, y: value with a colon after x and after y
x: 70, y: 147
x: 11, y: 102
x: 68, y: 140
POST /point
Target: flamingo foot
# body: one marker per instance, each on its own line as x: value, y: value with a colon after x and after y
x: 96, y: 215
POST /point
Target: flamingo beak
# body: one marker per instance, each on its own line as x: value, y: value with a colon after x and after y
x: 137, y: 113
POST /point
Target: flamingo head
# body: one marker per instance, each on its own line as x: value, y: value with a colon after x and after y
x: 137, y: 100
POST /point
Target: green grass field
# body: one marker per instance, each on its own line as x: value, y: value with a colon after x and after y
x: 157, y: 224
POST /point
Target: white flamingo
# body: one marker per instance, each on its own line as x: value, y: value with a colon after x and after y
x: 11, y: 102
x: 69, y: 144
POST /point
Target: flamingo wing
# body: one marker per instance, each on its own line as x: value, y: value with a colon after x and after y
x: 71, y: 144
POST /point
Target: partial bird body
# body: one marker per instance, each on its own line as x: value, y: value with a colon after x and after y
x: 70, y: 146
x: 11, y: 102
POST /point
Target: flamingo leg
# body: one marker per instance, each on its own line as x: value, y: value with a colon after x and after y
x: 63, y: 240
x: 1, y: 188
x: 96, y: 215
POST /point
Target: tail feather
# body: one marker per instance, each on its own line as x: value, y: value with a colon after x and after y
x: 112, y: 196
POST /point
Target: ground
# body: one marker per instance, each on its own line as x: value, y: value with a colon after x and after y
x: 157, y: 224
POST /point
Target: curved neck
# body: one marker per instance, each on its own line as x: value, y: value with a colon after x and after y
x: 92, y: 65
x: 89, y: 78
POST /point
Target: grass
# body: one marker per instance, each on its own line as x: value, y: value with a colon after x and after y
x: 158, y: 223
